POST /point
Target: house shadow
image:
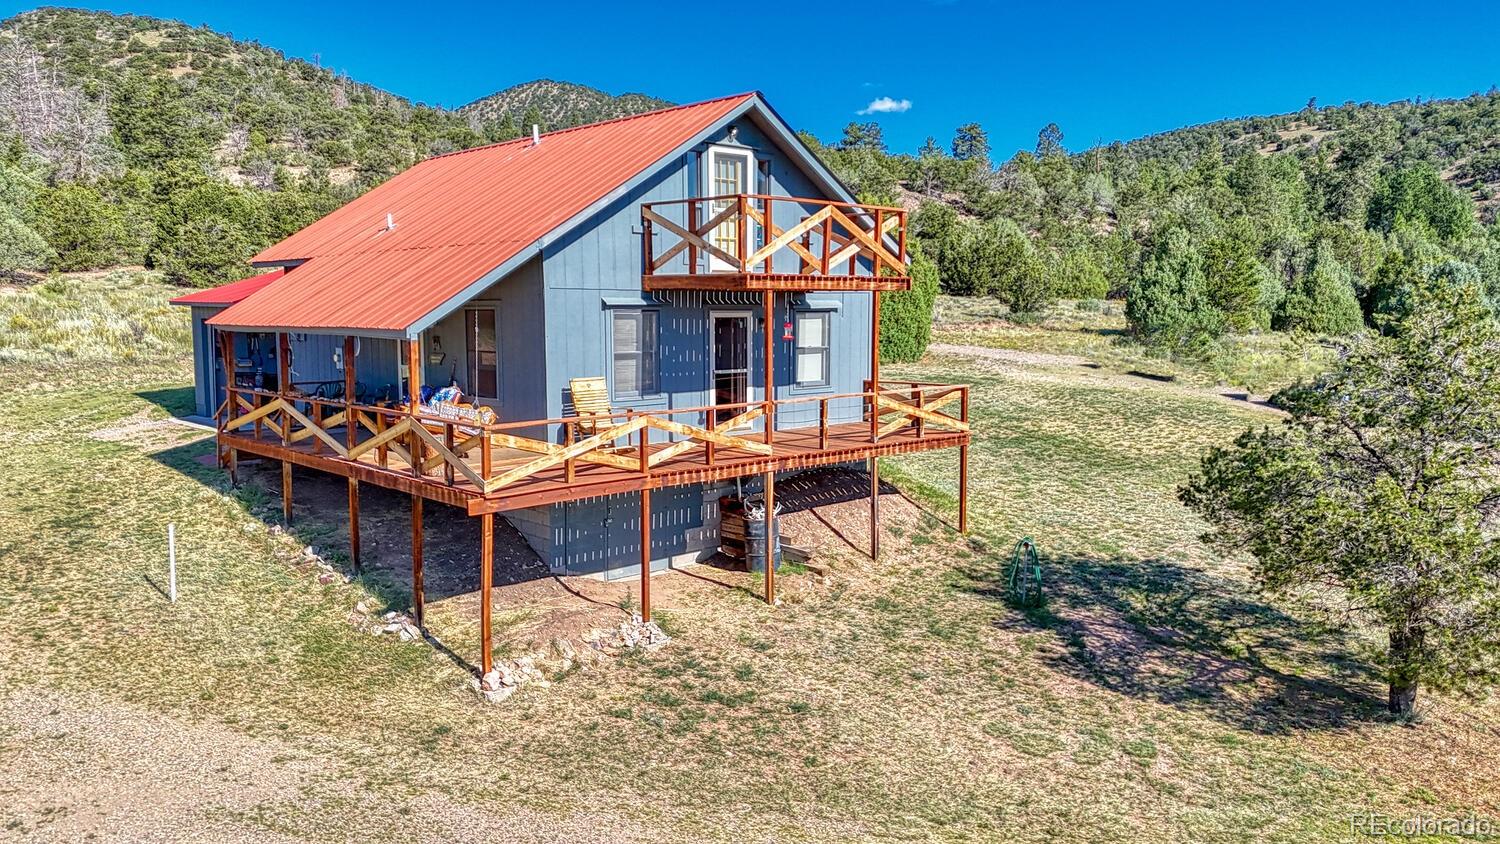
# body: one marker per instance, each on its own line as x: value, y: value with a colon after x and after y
x: 178, y: 401
x: 320, y: 519
x: 1188, y: 638
x: 824, y: 487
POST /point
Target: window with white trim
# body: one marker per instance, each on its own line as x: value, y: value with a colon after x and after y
x: 633, y: 346
x: 812, y: 349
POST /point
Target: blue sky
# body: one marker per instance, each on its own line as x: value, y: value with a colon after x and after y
x: 1102, y: 72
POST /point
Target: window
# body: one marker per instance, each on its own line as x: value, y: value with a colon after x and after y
x: 634, y: 345
x: 812, y: 350
x: 483, y: 367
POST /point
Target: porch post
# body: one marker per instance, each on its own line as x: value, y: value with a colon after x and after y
x: 963, y: 489
x: 351, y: 437
x: 418, y: 598
x: 770, y: 498
x: 874, y: 365
x: 874, y: 424
x: 283, y: 385
x: 354, y: 523
x: 414, y: 387
x: 645, y: 554
x: 231, y: 402
x: 486, y: 582
x: 770, y: 354
x: 963, y: 470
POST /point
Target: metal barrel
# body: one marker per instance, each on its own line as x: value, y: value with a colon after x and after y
x: 755, y: 539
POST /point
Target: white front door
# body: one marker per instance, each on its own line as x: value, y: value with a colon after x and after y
x: 731, y: 170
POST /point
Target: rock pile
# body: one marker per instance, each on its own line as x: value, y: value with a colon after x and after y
x: 402, y: 625
x: 504, y: 679
x: 630, y: 634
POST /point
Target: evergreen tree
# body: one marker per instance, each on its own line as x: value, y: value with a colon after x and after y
x: 84, y: 231
x: 1322, y: 299
x: 906, y: 316
x: 1049, y: 141
x: 971, y: 143
x: 1170, y: 304
x: 1377, y: 496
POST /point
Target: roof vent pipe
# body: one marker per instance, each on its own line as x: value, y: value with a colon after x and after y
x: 536, y: 134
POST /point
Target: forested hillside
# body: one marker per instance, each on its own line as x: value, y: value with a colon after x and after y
x: 134, y: 140
x: 1320, y: 220
x: 553, y: 105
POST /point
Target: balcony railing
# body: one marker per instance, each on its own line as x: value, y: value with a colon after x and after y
x: 498, y: 457
x: 773, y: 242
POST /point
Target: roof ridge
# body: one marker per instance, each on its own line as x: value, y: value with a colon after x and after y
x: 652, y: 113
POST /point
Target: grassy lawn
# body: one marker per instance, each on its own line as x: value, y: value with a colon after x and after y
x: 1097, y: 331
x: 1155, y: 695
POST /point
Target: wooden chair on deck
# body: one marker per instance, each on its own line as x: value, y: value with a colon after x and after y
x: 591, y: 403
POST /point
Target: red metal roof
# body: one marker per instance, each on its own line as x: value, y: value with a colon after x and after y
x: 456, y: 217
x: 228, y: 294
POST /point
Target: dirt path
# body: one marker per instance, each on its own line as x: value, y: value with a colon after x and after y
x: 84, y: 770
x: 1025, y: 359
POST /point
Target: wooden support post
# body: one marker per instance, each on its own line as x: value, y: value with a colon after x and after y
x: 646, y: 554
x: 414, y: 396
x: 486, y: 582
x: 823, y: 424
x: 769, y: 229
x: 418, y: 598
x: 769, y: 300
x: 231, y: 401
x: 770, y: 499
x: 647, y: 246
x: 351, y: 426
x: 963, y: 489
x: 901, y: 241
x: 284, y: 383
x: 286, y: 491
x: 874, y: 508
x: 875, y: 366
x: 354, y: 523
x: 742, y: 205
x: 879, y: 241
x: 692, y: 226
x: 963, y: 467
x: 827, y: 242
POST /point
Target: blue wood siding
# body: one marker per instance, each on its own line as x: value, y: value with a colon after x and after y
x: 521, y: 335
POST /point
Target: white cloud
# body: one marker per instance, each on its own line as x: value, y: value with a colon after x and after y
x: 886, y: 105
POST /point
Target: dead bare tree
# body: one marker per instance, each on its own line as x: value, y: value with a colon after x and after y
x: 54, y: 119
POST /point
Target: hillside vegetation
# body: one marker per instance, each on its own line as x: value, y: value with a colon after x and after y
x: 554, y: 105
x: 128, y: 140
x: 1322, y: 221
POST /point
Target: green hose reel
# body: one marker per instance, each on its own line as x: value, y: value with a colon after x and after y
x: 1023, y: 577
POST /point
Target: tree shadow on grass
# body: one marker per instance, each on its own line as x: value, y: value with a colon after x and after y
x: 1188, y: 638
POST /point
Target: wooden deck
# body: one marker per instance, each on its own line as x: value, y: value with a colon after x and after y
x: 495, y: 467
x: 710, y: 243
x: 792, y: 448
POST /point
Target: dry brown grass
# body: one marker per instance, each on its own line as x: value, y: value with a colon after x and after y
x: 1154, y: 696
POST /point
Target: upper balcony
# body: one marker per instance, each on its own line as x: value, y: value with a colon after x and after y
x: 724, y: 243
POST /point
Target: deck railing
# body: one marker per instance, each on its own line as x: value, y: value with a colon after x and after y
x: 451, y: 451
x: 728, y: 234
